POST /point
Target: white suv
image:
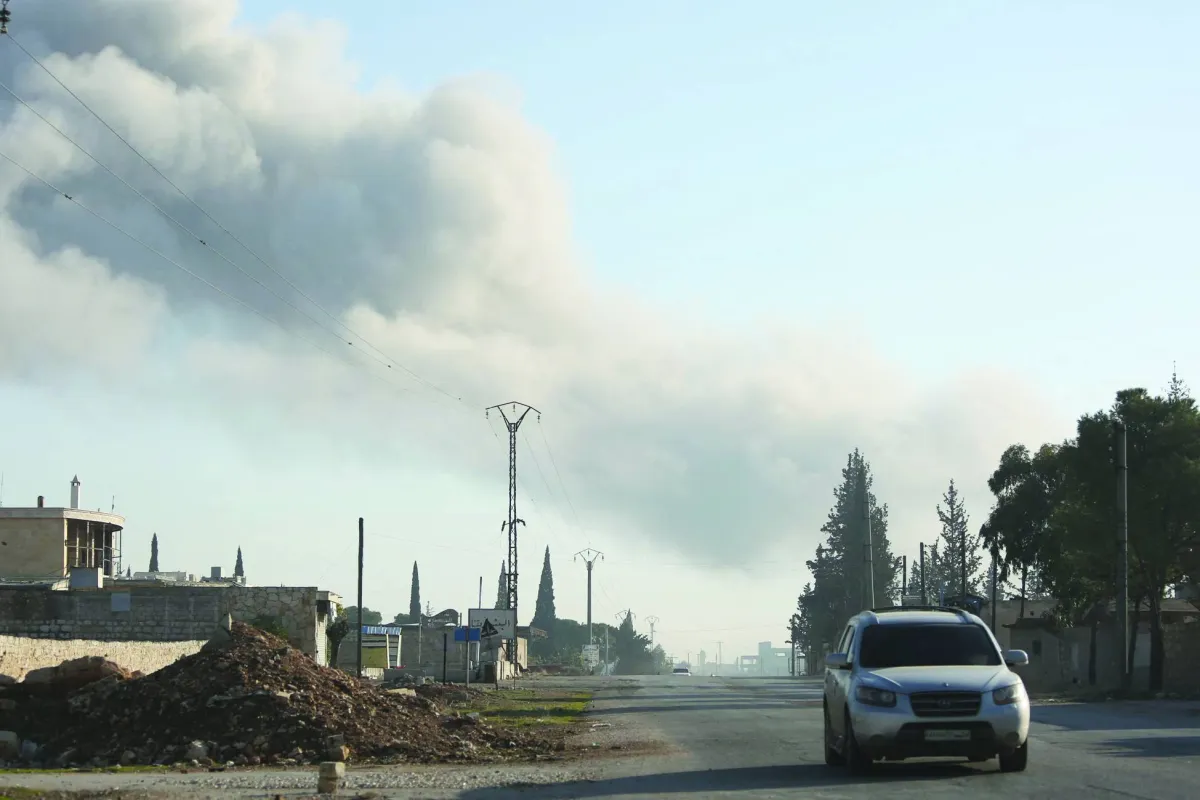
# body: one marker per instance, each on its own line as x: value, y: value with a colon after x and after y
x: 919, y: 681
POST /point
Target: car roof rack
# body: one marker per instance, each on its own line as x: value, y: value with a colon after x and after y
x: 894, y: 609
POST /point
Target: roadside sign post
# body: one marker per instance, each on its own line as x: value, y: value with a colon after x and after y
x: 492, y: 625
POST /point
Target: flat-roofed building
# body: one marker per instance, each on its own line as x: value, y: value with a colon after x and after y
x: 41, y: 542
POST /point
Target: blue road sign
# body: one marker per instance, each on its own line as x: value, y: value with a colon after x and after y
x: 462, y: 634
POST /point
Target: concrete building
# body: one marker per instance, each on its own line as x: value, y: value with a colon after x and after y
x: 46, y: 543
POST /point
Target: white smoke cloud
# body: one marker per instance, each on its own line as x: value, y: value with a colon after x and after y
x: 437, y: 227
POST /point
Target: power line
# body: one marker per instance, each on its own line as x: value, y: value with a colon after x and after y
x: 210, y: 218
x: 168, y: 259
x: 170, y: 218
x: 554, y: 463
x: 379, y: 355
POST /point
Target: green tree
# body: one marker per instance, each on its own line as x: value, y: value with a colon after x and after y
x: 414, y: 596
x: 502, y: 587
x: 369, y: 617
x: 544, y: 613
x: 836, y: 591
x: 154, y: 553
x: 1057, y: 510
x: 239, y: 569
x: 632, y: 650
x: 660, y: 662
x: 960, y: 562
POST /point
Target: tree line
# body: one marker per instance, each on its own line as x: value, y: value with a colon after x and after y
x: 1056, y: 516
x: 563, y: 640
x: 1053, y: 526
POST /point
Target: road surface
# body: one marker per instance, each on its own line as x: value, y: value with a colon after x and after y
x: 702, y: 737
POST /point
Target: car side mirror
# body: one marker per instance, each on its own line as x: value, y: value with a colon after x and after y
x: 1016, y: 658
x: 837, y: 661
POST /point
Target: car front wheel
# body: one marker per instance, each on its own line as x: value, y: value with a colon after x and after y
x: 832, y: 757
x: 857, y: 761
x: 1017, y: 760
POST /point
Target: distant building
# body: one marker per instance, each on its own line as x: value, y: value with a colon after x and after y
x: 46, y: 543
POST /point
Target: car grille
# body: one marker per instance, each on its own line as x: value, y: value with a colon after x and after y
x: 946, y: 704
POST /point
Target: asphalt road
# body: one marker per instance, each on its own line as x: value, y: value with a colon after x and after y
x: 758, y: 738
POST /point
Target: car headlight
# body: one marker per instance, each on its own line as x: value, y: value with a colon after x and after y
x: 1008, y: 695
x: 875, y: 697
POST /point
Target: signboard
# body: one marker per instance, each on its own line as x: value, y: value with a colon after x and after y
x: 466, y: 634
x: 493, y: 623
x: 591, y: 655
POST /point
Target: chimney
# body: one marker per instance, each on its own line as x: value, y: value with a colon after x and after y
x: 75, y: 492
x: 41, y: 501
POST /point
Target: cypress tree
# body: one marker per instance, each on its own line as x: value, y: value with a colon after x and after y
x: 239, y: 570
x: 543, y: 613
x: 414, y: 597
x: 154, y: 553
x: 502, y: 587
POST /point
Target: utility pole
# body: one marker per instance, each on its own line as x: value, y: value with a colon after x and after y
x: 358, y: 637
x: 995, y: 588
x: 1123, y: 545
x: 924, y: 578
x: 963, y: 567
x: 653, y: 620
x: 868, y: 557
x: 903, y: 578
x: 719, y: 661
x: 589, y: 557
x: 5, y: 17
x: 513, y: 520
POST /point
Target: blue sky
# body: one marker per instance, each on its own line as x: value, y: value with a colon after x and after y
x: 1006, y: 186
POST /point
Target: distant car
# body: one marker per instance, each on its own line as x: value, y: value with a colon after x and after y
x: 681, y: 671
x: 915, y: 682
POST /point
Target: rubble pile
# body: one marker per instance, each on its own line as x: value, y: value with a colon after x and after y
x: 251, y: 699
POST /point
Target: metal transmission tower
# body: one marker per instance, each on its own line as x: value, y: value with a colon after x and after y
x: 513, y: 520
x: 653, y: 620
x: 626, y: 614
x: 589, y: 557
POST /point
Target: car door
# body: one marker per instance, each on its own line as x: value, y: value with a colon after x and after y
x: 838, y: 684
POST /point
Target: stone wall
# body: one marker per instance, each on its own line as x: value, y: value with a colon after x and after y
x: 20, y: 654
x: 1182, y: 658
x: 139, y: 618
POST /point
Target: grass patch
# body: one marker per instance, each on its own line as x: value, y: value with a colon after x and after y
x: 76, y: 770
x: 522, y: 707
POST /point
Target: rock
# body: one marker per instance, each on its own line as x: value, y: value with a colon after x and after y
x: 10, y: 745
x: 329, y: 777
x: 29, y: 750
x: 7, y: 705
x: 195, y: 751
x: 127, y: 758
x: 77, y: 672
x: 6, y: 680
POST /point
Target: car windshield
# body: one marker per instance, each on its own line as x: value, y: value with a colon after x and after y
x: 885, y: 646
x: 681, y: 670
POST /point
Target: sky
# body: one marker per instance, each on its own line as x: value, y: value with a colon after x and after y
x: 717, y: 252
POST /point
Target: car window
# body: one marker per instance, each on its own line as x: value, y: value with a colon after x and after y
x: 884, y: 646
x: 844, y: 641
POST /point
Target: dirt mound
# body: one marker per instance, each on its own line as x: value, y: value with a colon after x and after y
x: 249, y: 700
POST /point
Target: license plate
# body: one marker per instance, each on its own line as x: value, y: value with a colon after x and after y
x: 947, y: 736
